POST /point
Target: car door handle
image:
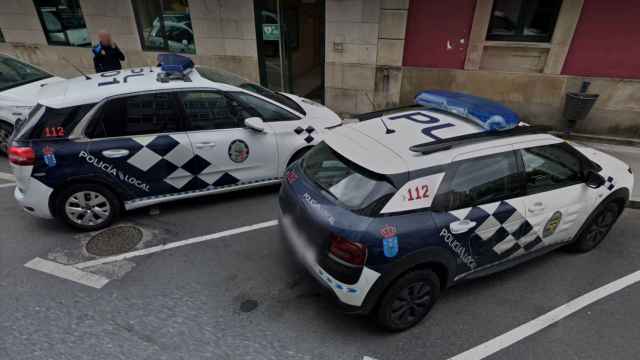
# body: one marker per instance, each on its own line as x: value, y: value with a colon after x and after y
x: 115, y: 153
x: 461, y: 226
x: 205, y: 145
x: 536, y: 207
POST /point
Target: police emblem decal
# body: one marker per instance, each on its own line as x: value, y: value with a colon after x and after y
x: 389, y: 240
x: 238, y: 151
x: 552, y: 224
x: 49, y: 156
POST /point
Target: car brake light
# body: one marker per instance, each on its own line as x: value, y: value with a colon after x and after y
x: 21, y: 155
x: 347, y: 251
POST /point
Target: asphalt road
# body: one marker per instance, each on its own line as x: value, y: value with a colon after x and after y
x: 199, y: 301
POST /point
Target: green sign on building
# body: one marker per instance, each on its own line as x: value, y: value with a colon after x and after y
x: 271, y: 31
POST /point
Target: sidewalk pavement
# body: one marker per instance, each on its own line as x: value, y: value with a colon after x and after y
x: 628, y: 154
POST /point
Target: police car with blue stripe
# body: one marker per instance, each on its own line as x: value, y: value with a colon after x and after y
x: 96, y: 145
x: 389, y: 212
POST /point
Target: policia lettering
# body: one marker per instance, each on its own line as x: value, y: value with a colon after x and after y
x: 458, y: 249
x: 423, y: 118
x: 111, y: 170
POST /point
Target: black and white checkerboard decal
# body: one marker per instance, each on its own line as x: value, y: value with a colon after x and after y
x: 609, y: 183
x: 501, y: 231
x: 305, y: 131
x: 164, y: 157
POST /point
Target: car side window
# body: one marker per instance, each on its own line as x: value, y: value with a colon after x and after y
x: 480, y: 180
x: 207, y: 110
x: 550, y: 167
x: 264, y: 109
x: 136, y: 115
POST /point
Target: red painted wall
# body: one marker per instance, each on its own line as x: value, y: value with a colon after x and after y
x: 607, y: 40
x: 434, y: 31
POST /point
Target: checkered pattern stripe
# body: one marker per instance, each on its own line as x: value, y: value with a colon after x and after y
x: 165, y: 157
x: 308, y: 131
x: 609, y: 183
x: 501, y: 228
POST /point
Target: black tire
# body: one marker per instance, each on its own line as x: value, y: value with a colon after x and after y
x: 5, y: 133
x: 408, y: 300
x: 597, y: 229
x: 95, y: 215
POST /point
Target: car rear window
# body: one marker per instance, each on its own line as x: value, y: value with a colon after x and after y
x: 352, y: 185
x: 58, y: 123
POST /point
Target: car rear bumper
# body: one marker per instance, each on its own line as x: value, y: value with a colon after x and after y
x: 34, y: 198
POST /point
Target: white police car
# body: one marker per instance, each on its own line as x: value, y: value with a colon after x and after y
x: 19, y: 85
x: 120, y: 140
x: 388, y: 212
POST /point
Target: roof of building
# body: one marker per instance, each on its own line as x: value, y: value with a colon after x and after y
x: 79, y: 90
x: 369, y: 144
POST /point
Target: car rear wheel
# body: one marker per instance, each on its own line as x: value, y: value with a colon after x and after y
x: 599, y: 227
x: 5, y: 133
x: 408, y: 300
x: 87, y: 207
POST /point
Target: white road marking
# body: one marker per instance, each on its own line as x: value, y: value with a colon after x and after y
x: 509, y: 338
x: 67, y: 272
x: 7, y: 185
x: 176, y: 244
x: 7, y: 176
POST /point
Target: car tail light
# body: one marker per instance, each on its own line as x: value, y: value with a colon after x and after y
x: 21, y: 155
x: 347, y: 251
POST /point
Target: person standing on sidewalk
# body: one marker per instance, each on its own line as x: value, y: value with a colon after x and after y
x: 106, y: 54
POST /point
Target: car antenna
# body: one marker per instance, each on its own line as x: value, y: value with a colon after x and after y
x: 86, y: 77
x: 387, y: 129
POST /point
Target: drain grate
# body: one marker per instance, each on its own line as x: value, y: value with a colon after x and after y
x: 115, y: 240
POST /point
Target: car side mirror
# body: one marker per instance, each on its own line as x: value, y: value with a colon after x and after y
x: 594, y: 180
x: 254, y: 123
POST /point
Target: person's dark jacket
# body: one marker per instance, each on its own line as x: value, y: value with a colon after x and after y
x: 107, y: 58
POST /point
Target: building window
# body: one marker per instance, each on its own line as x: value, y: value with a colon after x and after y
x: 164, y: 25
x: 523, y: 20
x: 62, y: 22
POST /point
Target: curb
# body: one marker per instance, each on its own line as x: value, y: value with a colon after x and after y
x: 598, y: 138
x: 633, y: 204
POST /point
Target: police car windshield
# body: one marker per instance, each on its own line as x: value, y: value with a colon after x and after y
x: 228, y: 78
x: 350, y: 184
x: 14, y: 73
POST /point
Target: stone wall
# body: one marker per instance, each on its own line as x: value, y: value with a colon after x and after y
x: 224, y: 33
x: 538, y: 98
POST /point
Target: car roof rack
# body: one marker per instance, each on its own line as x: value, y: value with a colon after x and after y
x: 174, y: 67
x: 447, y: 144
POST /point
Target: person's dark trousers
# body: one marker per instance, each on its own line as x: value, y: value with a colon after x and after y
x: 107, y: 58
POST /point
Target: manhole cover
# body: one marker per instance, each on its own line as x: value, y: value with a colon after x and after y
x: 115, y: 240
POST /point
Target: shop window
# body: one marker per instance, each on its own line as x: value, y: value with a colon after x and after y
x: 164, y: 25
x: 62, y: 22
x: 523, y: 20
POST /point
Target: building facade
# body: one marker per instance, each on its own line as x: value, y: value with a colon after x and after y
x: 362, y: 55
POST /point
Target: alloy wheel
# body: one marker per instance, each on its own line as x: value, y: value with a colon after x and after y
x: 87, y: 208
x: 601, y: 225
x: 412, y: 303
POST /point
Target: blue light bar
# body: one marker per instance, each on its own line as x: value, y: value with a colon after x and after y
x: 490, y: 115
x: 173, y: 63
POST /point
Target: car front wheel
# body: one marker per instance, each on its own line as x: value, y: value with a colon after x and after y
x: 599, y: 227
x: 5, y: 133
x: 408, y: 300
x: 87, y: 207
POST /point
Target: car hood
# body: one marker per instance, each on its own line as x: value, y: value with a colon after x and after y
x: 317, y: 113
x: 25, y: 95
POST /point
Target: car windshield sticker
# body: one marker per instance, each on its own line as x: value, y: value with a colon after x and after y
x: 238, y: 151
x: 415, y: 194
x: 49, y: 156
x: 424, y: 118
x: 609, y: 183
x: 389, y: 240
x: 552, y: 224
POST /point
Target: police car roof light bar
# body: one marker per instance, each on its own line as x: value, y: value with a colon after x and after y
x: 488, y: 114
x: 447, y: 144
x: 174, y: 67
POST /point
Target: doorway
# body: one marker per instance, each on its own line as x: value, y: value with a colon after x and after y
x: 290, y: 37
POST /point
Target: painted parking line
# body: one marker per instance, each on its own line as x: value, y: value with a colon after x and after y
x: 527, y: 329
x: 77, y: 274
x: 7, y: 176
x: 67, y: 272
x: 7, y: 185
